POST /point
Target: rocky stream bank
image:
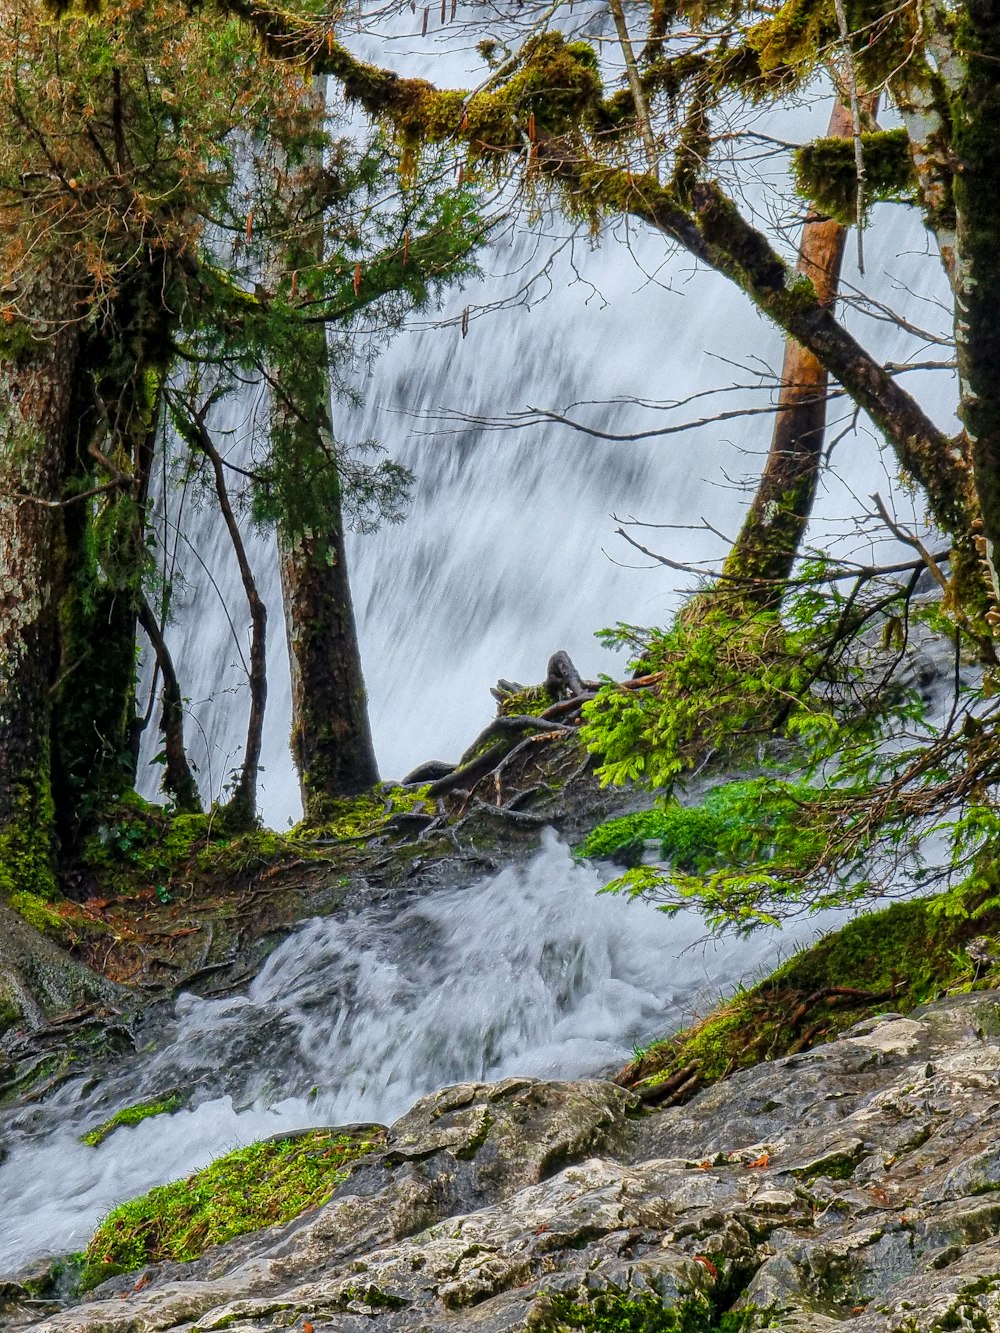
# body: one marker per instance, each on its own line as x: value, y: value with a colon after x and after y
x: 819, y: 1151
x: 855, y: 1186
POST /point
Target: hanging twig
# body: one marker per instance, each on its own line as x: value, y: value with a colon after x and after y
x: 245, y: 793
x: 859, y: 159
x: 909, y: 539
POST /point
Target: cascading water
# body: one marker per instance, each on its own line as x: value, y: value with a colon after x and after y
x: 528, y: 971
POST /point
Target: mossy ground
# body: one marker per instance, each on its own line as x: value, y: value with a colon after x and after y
x: 895, y: 959
x: 359, y: 817
x: 155, y: 895
x: 258, y: 1186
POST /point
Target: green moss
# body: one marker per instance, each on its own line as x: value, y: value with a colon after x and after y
x: 616, y: 1312
x: 826, y: 174
x: 532, y: 701
x: 904, y: 956
x: 258, y: 1186
x: 555, y: 89
x: 477, y: 1138
x: 18, y: 338
x: 133, y: 1115
x: 360, y: 817
x: 10, y: 1015
x: 247, y: 852
x: 835, y: 1166
x: 26, y: 840
x: 137, y: 844
x: 39, y: 913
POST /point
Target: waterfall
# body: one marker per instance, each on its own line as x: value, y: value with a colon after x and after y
x: 509, y: 549
x: 508, y: 553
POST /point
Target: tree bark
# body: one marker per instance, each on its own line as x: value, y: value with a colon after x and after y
x: 36, y: 383
x: 766, y: 547
x: 975, y: 148
x: 38, y: 979
x: 331, y: 735
x: 178, y: 779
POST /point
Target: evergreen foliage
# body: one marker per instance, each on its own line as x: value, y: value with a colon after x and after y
x: 853, y: 793
x: 146, y: 156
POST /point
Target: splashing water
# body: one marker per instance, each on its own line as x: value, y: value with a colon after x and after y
x: 354, y: 1018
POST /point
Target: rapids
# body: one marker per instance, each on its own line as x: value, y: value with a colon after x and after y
x: 353, y: 1018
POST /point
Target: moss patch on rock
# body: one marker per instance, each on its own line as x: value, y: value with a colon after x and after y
x: 258, y: 1186
x: 896, y: 959
x: 133, y: 1115
x: 619, y: 1312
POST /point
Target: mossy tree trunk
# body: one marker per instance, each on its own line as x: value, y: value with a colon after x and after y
x: 975, y: 148
x: 765, y: 550
x: 37, y: 366
x: 116, y: 411
x: 331, y: 735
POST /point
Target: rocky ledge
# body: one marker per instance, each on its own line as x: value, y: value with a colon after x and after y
x: 853, y: 1186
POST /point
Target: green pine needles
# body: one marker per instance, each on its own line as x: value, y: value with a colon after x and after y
x: 857, y: 783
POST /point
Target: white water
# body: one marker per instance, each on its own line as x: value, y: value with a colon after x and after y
x: 528, y: 971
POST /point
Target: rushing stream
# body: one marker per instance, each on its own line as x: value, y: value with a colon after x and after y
x: 354, y: 1018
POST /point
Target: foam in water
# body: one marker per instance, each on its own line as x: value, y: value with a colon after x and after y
x: 354, y: 1018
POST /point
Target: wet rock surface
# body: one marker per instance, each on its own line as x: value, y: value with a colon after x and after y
x: 856, y: 1186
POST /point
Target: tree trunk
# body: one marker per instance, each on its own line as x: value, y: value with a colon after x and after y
x: 116, y: 410
x: 765, y: 550
x: 976, y: 149
x: 331, y: 736
x: 178, y: 779
x: 36, y: 381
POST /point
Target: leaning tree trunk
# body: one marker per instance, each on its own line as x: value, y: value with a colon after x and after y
x: 36, y: 379
x: 331, y: 735
x: 765, y: 549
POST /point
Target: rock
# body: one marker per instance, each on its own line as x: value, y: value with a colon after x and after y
x: 854, y: 1187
